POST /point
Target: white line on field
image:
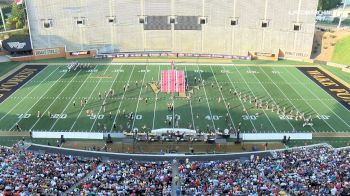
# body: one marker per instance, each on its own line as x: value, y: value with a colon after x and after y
x: 282, y: 93
x: 47, y: 109
x: 92, y: 92
x: 326, y: 104
x: 234, y: 88
x: 120, y: 103
x: 205, y: 92
x: 155, y: 102
x: 138, y: 100
x: 193, y: 125
x: 292, y: 86
x: 22, y: 99
x: 223, y: 98
x: 255, y: 96
x: 93, y: 124
x: 72, y: 98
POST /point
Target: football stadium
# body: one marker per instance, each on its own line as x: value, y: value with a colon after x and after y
x: 174, y: 97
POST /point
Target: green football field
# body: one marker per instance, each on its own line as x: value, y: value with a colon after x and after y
x: 55, y: 90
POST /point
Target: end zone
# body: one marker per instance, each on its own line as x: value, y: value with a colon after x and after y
x: 332, y: 86
x: 17, y: 79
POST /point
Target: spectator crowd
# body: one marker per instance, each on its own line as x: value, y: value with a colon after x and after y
x: 128, y: 178
x: 25, y: 173
x: 317, y: 170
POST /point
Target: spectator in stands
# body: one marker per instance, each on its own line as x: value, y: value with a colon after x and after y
x: 318, y: 170
x: 31, y: 174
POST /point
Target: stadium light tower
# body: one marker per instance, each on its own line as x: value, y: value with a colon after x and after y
x: 345, y: 2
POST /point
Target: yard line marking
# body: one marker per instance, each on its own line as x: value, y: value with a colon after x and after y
x: 155, y: 102
x: 92, y: 92
x: 138, y: 101
x: 39, y: 98
x: 309, y: 104
x: 22, y: 99
x: 36, y: 122
x: 190, y: 100
x: 234, y: 88
x: 122, y: 99
x: 255, y: 96
x: 71, y: 99
x: 282, y: 93
x: 104, y: 100
x: 223, y: 98
x: 205, y: 92
x: 324, y: 103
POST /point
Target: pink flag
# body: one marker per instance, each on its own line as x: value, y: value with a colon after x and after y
x: 19, y: 2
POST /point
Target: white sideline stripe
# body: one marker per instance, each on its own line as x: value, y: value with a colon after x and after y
x: 76, y: 119
x: 135, y: 98
x: 72, y: 98
x: 326, y: 104
x: 177, y: 63
x: 120, y: 103
x: 205, y: 92
x: 104, y: 100
x: 229, y: 113
x: 234, y: 87
x: 282, y: 93
x: 155, y: 102
x: 132, y: 81
x: 138, y: 101
x: 268, y: 118
x: 36, y: 122
x: 11, y: 96
x: 39, y: 98
x: 190, y: 100
x: 292, y: 86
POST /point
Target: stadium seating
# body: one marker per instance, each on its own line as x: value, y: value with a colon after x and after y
x: 45, y: 174
x: 127, y: 178
x: 307, y: 171
x: 313, y: 170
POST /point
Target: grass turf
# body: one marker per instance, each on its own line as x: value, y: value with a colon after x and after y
x: 54, y: 90
x: 341, y: 52
x: 338, y: 72
x: 7, y: 66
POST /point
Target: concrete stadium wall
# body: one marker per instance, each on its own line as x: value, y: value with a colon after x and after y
x: 217, y: 36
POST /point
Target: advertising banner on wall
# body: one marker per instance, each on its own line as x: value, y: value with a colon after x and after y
x: 171, y: 54
x: 17, y: 45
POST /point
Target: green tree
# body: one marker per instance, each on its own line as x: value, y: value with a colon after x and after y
x: 17, y: 18
x: 328, y: 4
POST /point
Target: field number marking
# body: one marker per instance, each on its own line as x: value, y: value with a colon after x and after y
x: 170, y: 117
x: 138, y: 117
x: 24, y: 116
x: 323, y: 117
x: 214, y: 117
x: 249, y: 117
x: 118, y: 71
x: 92, y: 71
x: 252, y: 72
x: 59, y: 116
x: 94, y: 117
x: 276, y: 72
x: 285, y: 117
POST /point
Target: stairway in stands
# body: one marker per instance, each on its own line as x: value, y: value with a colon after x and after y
x: 175, y: 172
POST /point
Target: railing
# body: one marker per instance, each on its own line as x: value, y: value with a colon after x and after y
x: 170, y: 54
x: 158, y: 157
